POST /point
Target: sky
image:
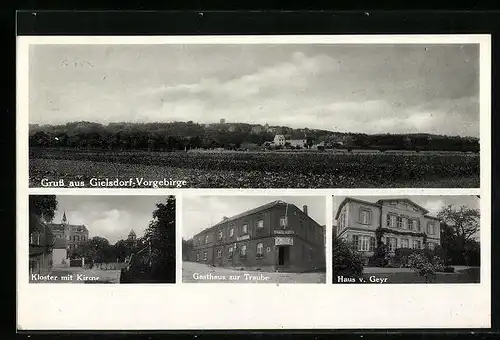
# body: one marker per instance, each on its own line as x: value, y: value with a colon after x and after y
x: 346, y: 88
x: 111, y: 217
x: 201, y: 212
x: 432, y: 203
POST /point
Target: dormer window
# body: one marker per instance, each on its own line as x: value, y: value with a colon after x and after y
x: 244, y: 229
x: 206, y: 239
x: 231, y: 232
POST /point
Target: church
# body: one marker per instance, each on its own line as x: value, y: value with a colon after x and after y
x: 68, y: 236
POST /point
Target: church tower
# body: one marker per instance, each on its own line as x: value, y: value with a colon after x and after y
x: 132, y: 236
x: 64, y: 220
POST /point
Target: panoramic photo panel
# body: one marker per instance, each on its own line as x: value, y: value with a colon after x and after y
x: 101, y: 239
x: 253, y: 239
x: 406, y: 239
x: 254, y: 115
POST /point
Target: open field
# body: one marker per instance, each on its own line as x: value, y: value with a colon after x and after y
x: 201, y: 273
x: 260, y: 169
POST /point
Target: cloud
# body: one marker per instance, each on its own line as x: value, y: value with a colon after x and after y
x: 361, y: 88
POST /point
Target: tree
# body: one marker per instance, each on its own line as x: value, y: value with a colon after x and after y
x: 457, y: 232
x: 43, y: 206
x: 346, y: 262
x: 160, y: 236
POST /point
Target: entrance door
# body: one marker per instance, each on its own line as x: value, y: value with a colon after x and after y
x: 283, y: 255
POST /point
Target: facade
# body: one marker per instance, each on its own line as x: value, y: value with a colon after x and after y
x: 73, y: 235
x: 403, y: 223
x: 279, y: 140
x: 60, y: 253
x: 274, y: 237
x: 302, y: 143
x: 40, y: 246
x: 222, y: 121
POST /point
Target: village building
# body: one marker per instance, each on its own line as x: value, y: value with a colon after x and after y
x: 40, y: 246
x: 74, y: 235
x: 273, y: 237
x: 403, y: 223
x: 60, y: 253
x: 294, y: 143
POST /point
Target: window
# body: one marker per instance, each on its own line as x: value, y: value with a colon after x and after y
x: 230, y: 251
x: 220, y: 234
x: 364, y: 243
x: 260, y: 248
x: 364, y: 216
x: 404, y: 243
x: 372, y: 243
x: 399, y: 220
x: 355, y: 242
x: 392, y: 243
x: 219, y: 252
x: 206, y: 239
x: 260, y: 224
x: 391, y: 221
x: 430, y: 228
x: 416, y: 244
x: 197, y: 257
x: 283, y: 221
x: 268, y: 249
x: 205, y: 255
x: 405, y: 223
x: 231, y: 232
x: 416, y: 225
x: 310, y: 254
x: 244, y: 229
x: 243, y: 250
x: 430, y: 245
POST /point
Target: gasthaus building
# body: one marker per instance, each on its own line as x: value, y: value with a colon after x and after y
x: 273, y: 237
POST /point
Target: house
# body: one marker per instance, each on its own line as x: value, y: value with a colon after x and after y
x: 402, y: 223
x: 60, y: 253
x: 294, y: 143
x: 277, y: 236
x: 74, y: 235
x: 41, y: 241
x: 279, y: 140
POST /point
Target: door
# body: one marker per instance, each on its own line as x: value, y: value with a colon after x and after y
x: 283, y: 255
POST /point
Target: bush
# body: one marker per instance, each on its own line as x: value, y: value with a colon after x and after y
x: 422, y: 266
x: 379, y: 258
x: 346, y: 262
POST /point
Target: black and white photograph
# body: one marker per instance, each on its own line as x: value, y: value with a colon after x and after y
x: 253, y: 239
x: 254, y: 115
x: 101, y: 239
x: 406, y: 239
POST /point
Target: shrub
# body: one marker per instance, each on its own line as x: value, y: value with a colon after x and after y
x: 346, y: 262
x: 422, y: 266
x: 379, y: 258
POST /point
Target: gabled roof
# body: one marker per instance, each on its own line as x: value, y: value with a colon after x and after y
x: 379, y: 204
x: 350, y: 199
x: 425, y: 211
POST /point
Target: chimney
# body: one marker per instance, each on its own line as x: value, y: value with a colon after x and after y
x: 305, y: 209
x: 225, y: 218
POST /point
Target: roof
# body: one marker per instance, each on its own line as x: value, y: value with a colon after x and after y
x: 379, y: 204
x: 406, y: 200
x: 350, y: 199
x: 248, y: 212
x: 59, y: 243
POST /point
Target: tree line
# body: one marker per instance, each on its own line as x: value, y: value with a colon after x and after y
x: 189, y: 135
